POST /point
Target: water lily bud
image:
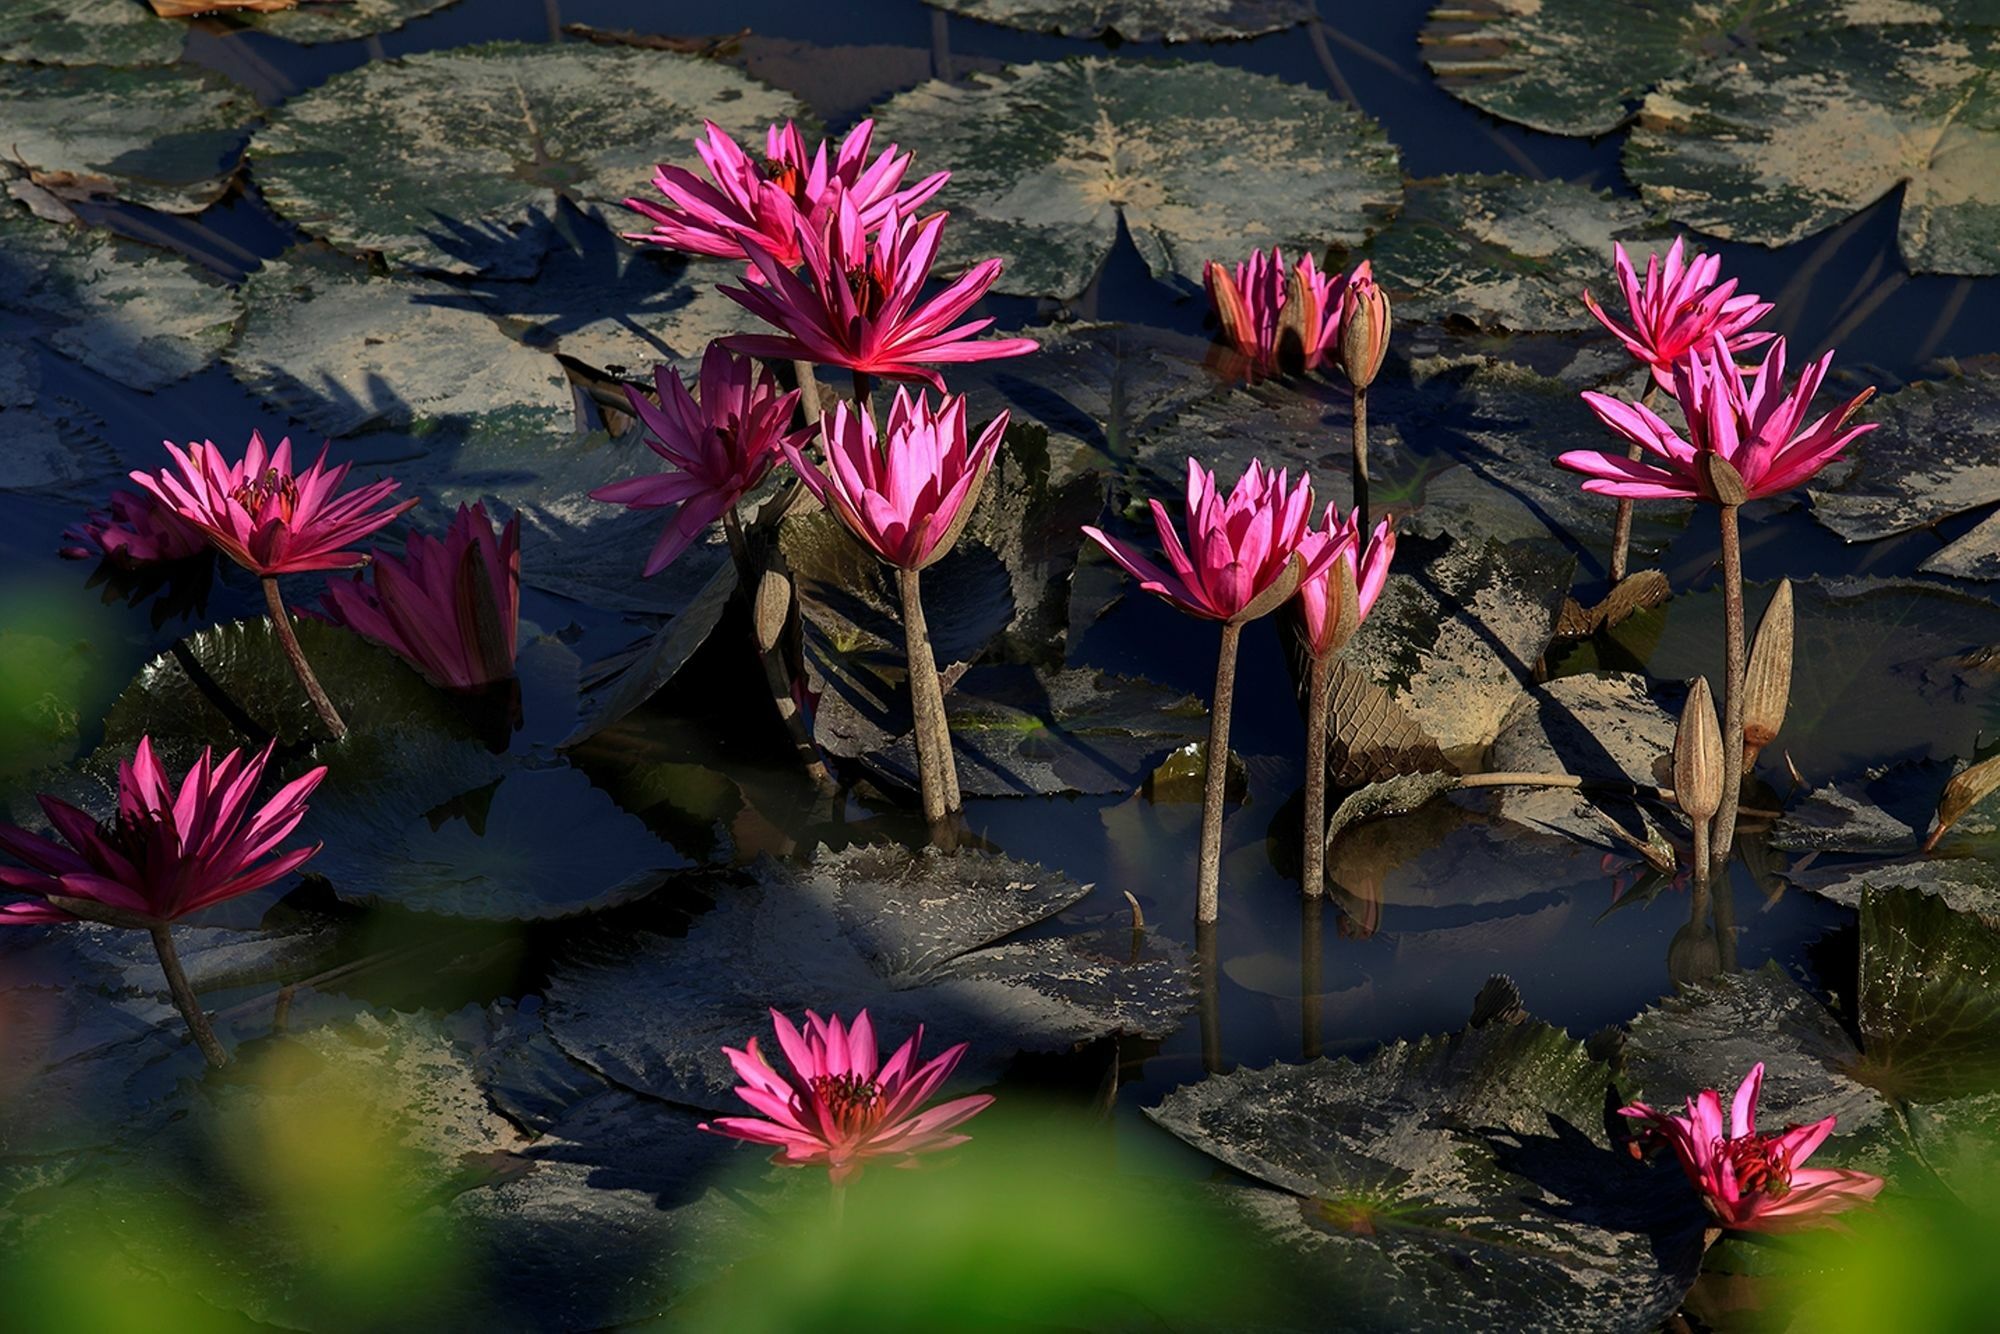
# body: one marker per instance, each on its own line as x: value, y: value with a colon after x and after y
x: 1725, y: 485
x: 1364, y: 327
x: 1767, y: 681
x: 773, y: 607
x: 1300, y: 318
x: 1231, y: 314
x: 1698, y: 755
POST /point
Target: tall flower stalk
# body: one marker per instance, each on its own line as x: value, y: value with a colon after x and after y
x: 1363, y: 343
x: 272, y: 520
x: 904, y: 489
x: 1332, y: 604
x: 1244, y: 557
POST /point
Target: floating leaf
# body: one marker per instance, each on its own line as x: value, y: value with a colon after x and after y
x: 1929, y: 460
x: 309, y: 22
x: 1508, y: 252
x: 1928, y: 1012
x: 1198, y: 161
x: 1398, y: 795
x: 440, y: 160
x: 1463, y: 1182
x: 915, y: 939
x: 87, y: 32
x: 1608, y: 728
x: 141, y: 316
x: 635, y: 677
x: 1139, y: 20
x: 1968, y: 884
x: 453, y: 830
x: 1787, y: 141
x: 1372, y: 737
x: 55, y: 457
x: 166, y: 138
x: 1881, y: 811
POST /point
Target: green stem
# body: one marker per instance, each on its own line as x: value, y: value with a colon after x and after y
x: 1208, y: 883
x: 288, y: 639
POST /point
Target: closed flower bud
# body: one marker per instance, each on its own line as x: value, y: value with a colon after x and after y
x: 1698, y: 755
x: 1364, y: 327
x: 1767, y: 682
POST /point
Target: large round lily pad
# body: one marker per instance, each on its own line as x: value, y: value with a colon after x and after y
x: 1461, y: 1182
x: 1789, y: 141
x: 141, y: 316
x: 443, y: 160
x: 914, y: 938
x: 87, y: 32
x: 1200, y: 162
x: 166, y: 138
x: 312, y: 21
x: 1139, y: 20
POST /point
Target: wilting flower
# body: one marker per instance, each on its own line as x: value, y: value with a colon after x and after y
x: 170, y: 851
x: 133, y: 530
x: 1750, y: 1181
x: 1243, y: 556
x: 1362, y: 328
x: 765, y: 200
x: 856, y: 304
x: 1752, y: 424
x: 1319, y: 596
x: 1679, y: 307
x: 1271, y: 316
x: 264, y: 516
x: 722, y: 446
x: 907, y: 495
x: 837, y: 1107
x: 451, y: 609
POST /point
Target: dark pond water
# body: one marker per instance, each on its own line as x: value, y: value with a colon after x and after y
x: 1415, y: 932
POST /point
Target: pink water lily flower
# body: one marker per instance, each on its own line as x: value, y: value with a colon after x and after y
x: 1750, y: 1181
x: 263, y: 515
x: 837, y: 1107
x: 857, y: 302
x: 133, y: 530
x: 169, y: 852
x: 1319, y: 596
x: 1751, y: 423
x: 907, y: 493
x: 1679, y: 306
x: 450, y: 608
x: 1242, y: 552
x: 721, y: 446
x: 1272, y: 316
x: 764, y: 199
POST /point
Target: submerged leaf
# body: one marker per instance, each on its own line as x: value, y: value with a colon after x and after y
x: 1198, y: 161
x: 915, y: 939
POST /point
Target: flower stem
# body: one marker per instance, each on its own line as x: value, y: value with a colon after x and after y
x: 1732, y: 695
x: 777, y: 678
x: 1312, y: 876
x: 808, y: 390
x: 1621, y: 527
x: 1208, y: 980
x: 184, y: 997
x: 864, y: 394
x: 1361, y: 457
x: 281, y: 622
x: 1311, y: 914
x: 937, y: 773
x: 1208, y: 884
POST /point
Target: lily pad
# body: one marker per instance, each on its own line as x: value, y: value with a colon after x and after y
x: 1506, y: 251
x: 141, y: 316
x: 311, y: 22
x: 1969, y: 884
x: 440, y: 160
x: 1931, y: 459
x: 453, y: 830
x: 167, y: 138
x: 1462, y: 1182
x: 1017, y: 731
x: 1595, y: 727
x: 344, y: 351
x: 1139, y: 20
x: 54, y: 457
x: 1787, y: 141
x: 87, y: 32
x: 623, y: 684
x: 1198, y: 161
x: 914, y: 938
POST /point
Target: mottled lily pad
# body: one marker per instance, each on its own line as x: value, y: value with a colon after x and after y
x: 87, y: 32
x: 1139, y: 20
x: 1461, y: 1182
x: 1784, y: 142
x: 312, y: 22
x: 1611, y: 728
x: 1508, y: 252
x: 166, y: 138
x: 1931, y: 458
x: 440, y: 160
x: 141, y: 316
x: 916, y: 939
x: 1198, y: 161
x: 453, y: 830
